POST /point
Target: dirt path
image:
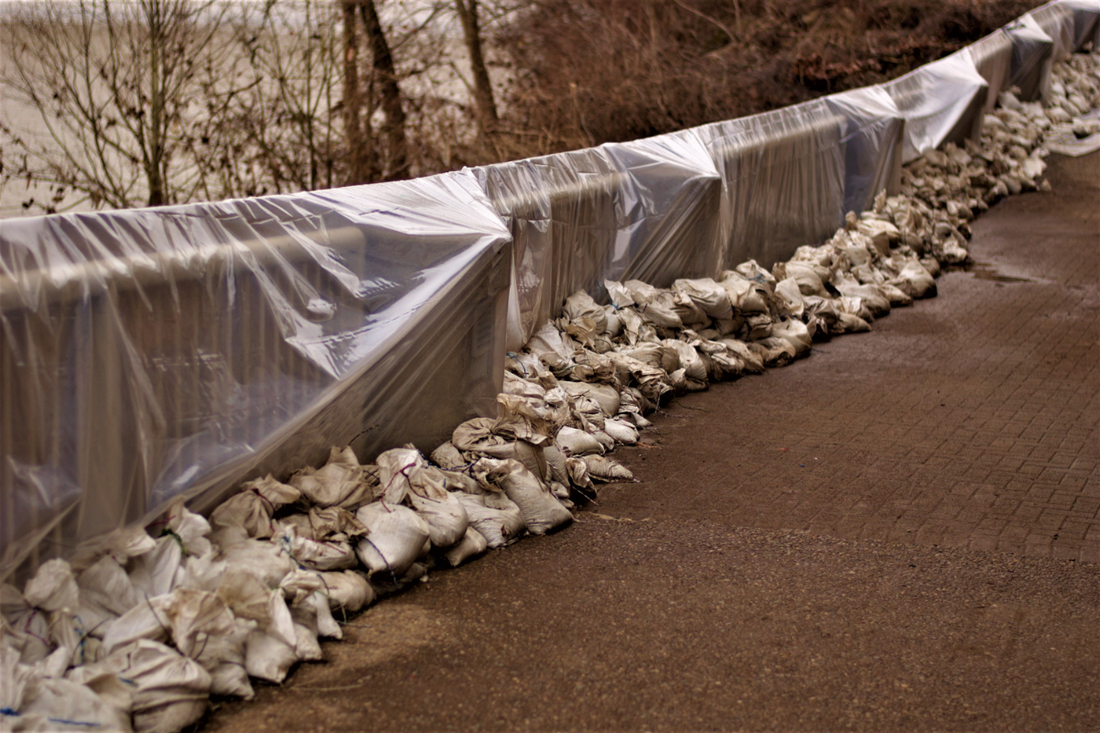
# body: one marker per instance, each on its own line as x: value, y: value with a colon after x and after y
x: 901, y: 532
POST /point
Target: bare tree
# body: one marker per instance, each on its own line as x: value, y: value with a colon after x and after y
x: 111, y: 81
x: 483, y: 87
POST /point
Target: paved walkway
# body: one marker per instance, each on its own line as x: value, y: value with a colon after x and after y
x: 899, y: 533
x: 971, y: 420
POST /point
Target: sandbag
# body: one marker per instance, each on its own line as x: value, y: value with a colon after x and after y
x: 472, y: 545
x: 32, y: 700
x: 541, y: 511
x: 248, y: 513
x: 573, y: 442
x: 602, y: 468
x: 496, y: 517
x: 396, y: 537
x: 169, y: 691
x: 346, y: 592
x: 340, y: 482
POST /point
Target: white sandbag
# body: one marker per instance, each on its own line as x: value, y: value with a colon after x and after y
x: 340, y: 482
x: 405, y: 475
x: 541, y: 511
x: 472, y: 545
x: 250, y: 511
x: 269, y: 658
x: 156, y: 573
x: 32, y: 701
x: 496, y: 517
x: 621, y: 431
x: 915, y: 281
x: 476, y: 437
x: 68, y: 634
x: 396, y: 536
x: 580, y: 306
x: 708, y: 295
x: 746, y: 296
x: 448, y: 457
x: 606, y: 469
x: 246, y: 594
x: 555, y: 459
x: 606, y: 396
x: 325, y: 554
x: 694, y: 368
x: 347, y: 592
x: 573, y: 442
x: 307, y: 648
x: 774, y: 352
x: 169, y: 691
x: 105, y: 593
x: 190, y: 528
x: 204, y: 629
x: 24, y: 626
x: 266, y: 560
x: 148, y: 620
x: 326, y: 624
x: 796, y: 333
x: 322, y: 524
x: 53, y: 587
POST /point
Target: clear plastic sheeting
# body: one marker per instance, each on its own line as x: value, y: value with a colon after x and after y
x: 941, y: 102
x: 149, y: 354
x: 1070, y: 24
x: 784, y: 180
x: 992, y: 58
x: 1032, y: 51
x: 634, y: 210
x: 872, y: 131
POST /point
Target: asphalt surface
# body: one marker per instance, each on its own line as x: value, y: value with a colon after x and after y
x: 901, y: 532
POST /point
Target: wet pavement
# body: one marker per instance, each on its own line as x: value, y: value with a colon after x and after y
x: 901, y: 532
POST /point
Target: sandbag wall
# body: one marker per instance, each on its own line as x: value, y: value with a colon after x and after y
x: 179, y: 351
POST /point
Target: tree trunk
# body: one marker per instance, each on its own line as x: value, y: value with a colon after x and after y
x: 353, y: 98
x: 483, y: 87
x: 390, y: 93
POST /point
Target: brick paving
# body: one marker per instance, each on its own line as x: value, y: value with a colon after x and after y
x: 970, y: 420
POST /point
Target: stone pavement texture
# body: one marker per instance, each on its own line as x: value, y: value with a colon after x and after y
x: 899, y: 533
x: 971, y: 420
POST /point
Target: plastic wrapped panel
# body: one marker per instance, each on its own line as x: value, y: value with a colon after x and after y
x: 872, y: 133
x: 1032, y: 54
x: 784, y: 179
x: 992, y: 57
x: 152, y: 353
x: 941, y: 102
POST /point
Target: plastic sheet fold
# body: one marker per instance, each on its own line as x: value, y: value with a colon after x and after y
x: 941, y: 102
x: 155, y: 353
x: 1032, y: 56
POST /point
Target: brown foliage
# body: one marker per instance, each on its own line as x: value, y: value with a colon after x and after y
x: 593, y: 71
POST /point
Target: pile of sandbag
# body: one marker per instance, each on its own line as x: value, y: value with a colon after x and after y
x: 137, y: 630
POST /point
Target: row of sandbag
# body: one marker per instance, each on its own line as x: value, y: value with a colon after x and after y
x: 139, y: 629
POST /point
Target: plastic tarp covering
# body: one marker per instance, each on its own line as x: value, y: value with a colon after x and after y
x: 872, y: 132
x: 992, y: 57
x: 161, y: 352
x: 643, y: 209
x: 1070, y: 24
x: 784, y: 180
x: 941, y: 102
x: 1032, y: 51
